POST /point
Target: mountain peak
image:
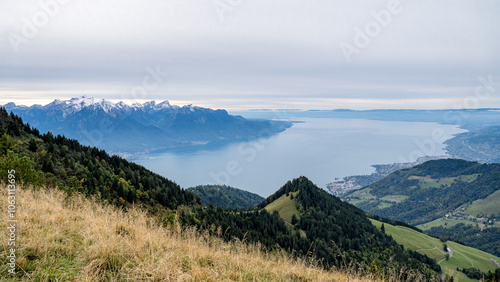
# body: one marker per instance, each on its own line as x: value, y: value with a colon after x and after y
x: 165, y: 104
x: 152, y: 105
x: 301, y: 183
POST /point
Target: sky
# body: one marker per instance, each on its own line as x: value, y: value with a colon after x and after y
x: 242, y: 54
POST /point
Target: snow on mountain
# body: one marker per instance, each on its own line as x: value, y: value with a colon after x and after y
x: 73, y: 105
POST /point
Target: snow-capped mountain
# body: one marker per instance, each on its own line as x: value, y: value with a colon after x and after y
x: 74, y: 105
x: 122, y: 128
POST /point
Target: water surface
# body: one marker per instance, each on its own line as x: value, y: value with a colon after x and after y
x: 321, y: 149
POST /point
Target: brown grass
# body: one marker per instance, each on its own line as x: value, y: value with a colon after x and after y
x: 78, y: 239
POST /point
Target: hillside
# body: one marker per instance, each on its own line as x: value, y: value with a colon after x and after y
x: 428, y: 191
x: 126, y: 129
x: 56, y: 161
x: 482, y: 233
x: 459, y: 256
x: 486, y: 239
x: 326, y: 229
x: 447, y: 197
x: 286, y: 207
x: 342, y: 232
x: 226, y: 197
x: 78, y: 239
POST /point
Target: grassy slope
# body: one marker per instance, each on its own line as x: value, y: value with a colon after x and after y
x: 488, y: 205
x: 463, y: 256
x: 442, y: 221
x: 428, y: 182
x: 364, y: 194
x: 285, y: 206
x: 452, y: 222
x: 77, y: 239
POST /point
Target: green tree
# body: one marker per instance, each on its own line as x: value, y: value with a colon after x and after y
x: 6, y: 143
x: 23, y: 169
x: 32, y: 146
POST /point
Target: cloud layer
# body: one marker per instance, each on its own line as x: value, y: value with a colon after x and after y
x: 241, y: 54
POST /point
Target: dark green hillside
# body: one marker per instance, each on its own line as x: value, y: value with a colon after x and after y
x: 226, y: 197
x: 56, y: 161
x: 428, y: 191
x: 337, y: 233
x: 340, y: 229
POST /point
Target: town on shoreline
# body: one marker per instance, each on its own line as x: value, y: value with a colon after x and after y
x: 349, y: 183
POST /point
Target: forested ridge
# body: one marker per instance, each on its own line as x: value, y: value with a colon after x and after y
x: 343, y: 232
x: 336, y: 233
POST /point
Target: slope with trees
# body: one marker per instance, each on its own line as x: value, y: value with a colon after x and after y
x: 226, y: 197
x: 62, y: 162
x: 428, y: 191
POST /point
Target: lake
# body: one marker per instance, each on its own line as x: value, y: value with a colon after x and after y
x: 321, y: 149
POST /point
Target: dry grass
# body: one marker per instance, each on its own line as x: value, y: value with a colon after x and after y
x: 77, y: 239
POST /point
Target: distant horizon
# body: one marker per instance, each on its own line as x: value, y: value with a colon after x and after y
x: 44, y: 102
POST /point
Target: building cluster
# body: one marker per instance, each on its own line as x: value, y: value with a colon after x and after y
x: 341, y: 187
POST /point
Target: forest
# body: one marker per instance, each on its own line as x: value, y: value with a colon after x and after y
x: 226, y: 197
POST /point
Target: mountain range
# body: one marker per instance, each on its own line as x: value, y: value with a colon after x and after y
x: 126, y: 129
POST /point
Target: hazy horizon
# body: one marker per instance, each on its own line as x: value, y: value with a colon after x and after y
x: 241, y: 55
x: 45, y: 102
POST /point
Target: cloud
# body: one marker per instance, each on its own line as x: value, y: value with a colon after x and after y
x: 259, y: 54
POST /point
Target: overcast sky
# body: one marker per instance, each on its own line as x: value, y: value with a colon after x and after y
x: 244, y: 54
